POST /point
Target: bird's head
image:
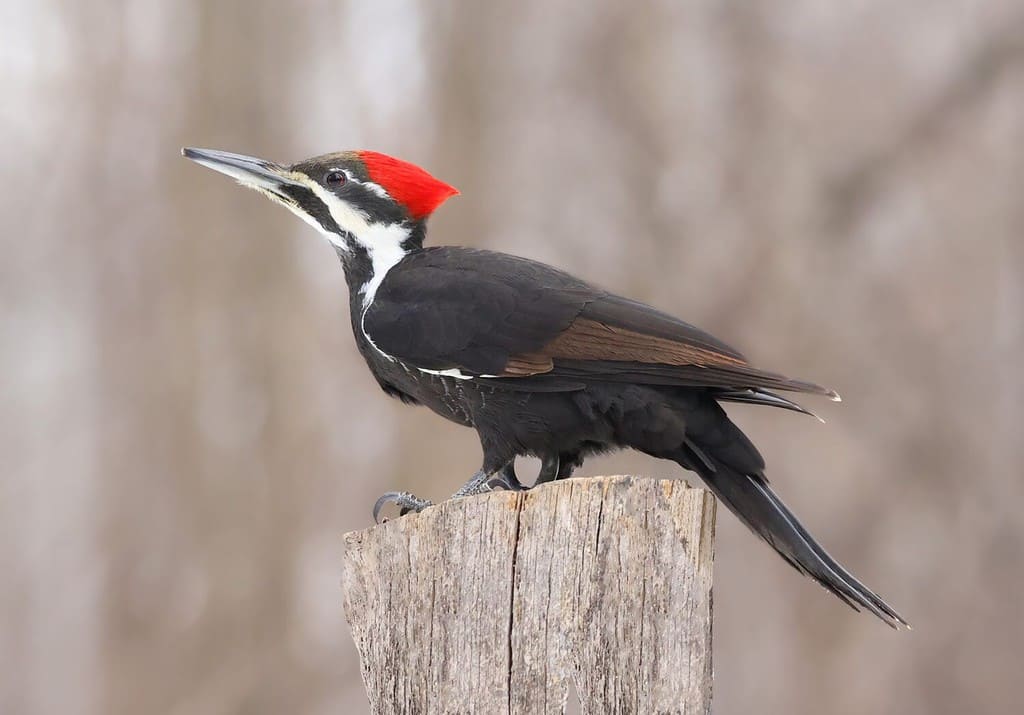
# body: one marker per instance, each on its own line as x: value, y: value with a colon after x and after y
x: 364, y: 202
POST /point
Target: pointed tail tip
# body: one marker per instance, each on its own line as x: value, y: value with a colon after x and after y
x: 834, y: 396
x: 889, y: 615
x: 901, y: 623
x: 898, y: 624
x: 865, y: 600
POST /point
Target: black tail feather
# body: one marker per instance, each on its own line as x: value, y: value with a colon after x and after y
x: 755, y: 396
x: 753, y: 501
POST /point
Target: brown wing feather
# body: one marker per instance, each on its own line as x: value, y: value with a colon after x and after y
x: 616, y: 351
x: 587, y: 339
x: 590, y: 340
x: 526, y: 365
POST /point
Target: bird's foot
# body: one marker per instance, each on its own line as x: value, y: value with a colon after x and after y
x: 499, y: 482
x: 506, y: 479
x: 479, y: 483
x: 548, y: 469
x: 405, y: 502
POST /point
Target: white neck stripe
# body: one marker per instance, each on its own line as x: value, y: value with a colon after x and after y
x: 382, y: 242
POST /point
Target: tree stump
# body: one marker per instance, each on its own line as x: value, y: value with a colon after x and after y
x: 503, y: 602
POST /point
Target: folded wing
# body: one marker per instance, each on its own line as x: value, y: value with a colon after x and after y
x: 488, y: 314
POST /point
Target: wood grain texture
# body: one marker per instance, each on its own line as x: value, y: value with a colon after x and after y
x: 502, y: 603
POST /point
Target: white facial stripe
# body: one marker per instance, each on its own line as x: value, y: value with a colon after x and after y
x: 331, y: 238
x: 383, y: 242
x: 347, y: 218
x: 375, y: 188
x: 268, y: 189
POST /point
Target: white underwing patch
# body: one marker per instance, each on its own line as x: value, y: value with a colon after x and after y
x: 450, y: 372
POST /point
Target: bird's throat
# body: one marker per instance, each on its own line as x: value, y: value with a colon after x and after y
x: 368, y: 257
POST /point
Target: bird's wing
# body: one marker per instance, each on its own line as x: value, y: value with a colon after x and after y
x: 461, y: 309
x: 618, y: 339
x: 508, y: 318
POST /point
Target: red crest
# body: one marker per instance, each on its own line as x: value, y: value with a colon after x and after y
x: 407, y: 183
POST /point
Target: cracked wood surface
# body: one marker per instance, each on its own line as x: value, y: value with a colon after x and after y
x: 503, y: 602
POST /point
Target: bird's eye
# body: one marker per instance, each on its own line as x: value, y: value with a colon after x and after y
x: 335, y: 177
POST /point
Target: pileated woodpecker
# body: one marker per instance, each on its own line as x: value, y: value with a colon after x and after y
x: 537, y: 361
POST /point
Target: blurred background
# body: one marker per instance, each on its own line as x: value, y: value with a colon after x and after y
x: 186, y: 428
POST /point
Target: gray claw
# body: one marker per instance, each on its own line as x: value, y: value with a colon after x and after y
x: 549, y: 467
x: 405, y: 502
x: 506, y: 479
x: 498, y: 481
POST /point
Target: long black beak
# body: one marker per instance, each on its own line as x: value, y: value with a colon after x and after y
x: 247, y: 170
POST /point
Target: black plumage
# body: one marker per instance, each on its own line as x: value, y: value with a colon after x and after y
x: 537, y: 361
x: 484, y: 313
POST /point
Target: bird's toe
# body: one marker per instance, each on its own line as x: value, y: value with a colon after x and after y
x: 405, y: 501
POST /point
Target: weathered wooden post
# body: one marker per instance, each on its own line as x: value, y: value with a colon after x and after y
x: 501, y: 603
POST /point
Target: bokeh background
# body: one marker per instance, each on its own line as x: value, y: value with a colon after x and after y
x: 186, y: 428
